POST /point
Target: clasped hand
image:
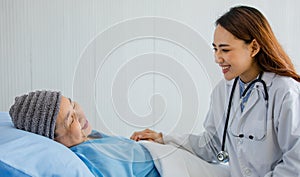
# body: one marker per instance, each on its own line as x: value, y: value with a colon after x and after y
x: 148, y: 135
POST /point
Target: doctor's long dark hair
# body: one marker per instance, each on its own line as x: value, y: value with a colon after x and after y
x: 247, y: 23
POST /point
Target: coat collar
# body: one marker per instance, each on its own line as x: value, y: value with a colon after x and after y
x: 267, y: 77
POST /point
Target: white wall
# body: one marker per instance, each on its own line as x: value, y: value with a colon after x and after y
x: 130, y: 64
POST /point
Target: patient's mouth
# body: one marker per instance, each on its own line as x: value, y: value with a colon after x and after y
x: 85, y: 125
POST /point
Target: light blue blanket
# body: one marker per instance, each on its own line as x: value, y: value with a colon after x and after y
x: 115, y: 156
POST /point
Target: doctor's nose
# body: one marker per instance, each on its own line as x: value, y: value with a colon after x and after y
x: 218, y: 58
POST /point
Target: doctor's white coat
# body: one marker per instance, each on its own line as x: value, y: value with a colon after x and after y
x: 277, y: 154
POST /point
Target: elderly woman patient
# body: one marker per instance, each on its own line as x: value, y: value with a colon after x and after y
x: 52, y: 115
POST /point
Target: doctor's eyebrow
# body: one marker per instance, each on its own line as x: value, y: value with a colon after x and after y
x: 221, y: 45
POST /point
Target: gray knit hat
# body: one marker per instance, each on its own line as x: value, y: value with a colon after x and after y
x: 36, y: 112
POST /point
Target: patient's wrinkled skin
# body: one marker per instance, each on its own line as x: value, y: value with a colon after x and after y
x: 72, y: 127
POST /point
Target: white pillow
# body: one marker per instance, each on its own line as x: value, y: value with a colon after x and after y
x: 25, y: 154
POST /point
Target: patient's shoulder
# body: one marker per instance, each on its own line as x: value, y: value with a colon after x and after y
x: 96, y: 135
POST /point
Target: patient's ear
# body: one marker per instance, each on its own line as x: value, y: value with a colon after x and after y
x: 255, y: 47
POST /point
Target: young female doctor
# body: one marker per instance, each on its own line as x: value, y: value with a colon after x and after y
x: 254, y: 116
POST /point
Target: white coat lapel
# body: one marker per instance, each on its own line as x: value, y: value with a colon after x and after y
x: 235, y: 99
x: 252, y: 100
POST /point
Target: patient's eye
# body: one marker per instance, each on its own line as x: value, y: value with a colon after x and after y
x: 72, y: 114
x: 72, y: 119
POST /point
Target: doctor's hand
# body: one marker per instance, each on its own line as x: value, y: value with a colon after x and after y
x: 148, y: 135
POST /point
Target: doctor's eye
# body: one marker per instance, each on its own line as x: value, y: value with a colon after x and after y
x: 225, y: 50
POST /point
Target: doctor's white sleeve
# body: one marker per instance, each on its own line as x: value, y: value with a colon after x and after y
x: 206, y: 145
x: 288, y: 135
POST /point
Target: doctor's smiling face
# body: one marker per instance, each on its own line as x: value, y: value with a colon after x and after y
x: 72, y: 127
x: 235, y: 56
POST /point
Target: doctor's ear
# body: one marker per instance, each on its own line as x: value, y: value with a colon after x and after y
x: 255, y: 47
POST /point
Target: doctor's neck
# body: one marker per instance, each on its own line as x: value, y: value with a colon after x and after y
x: 250, y: 75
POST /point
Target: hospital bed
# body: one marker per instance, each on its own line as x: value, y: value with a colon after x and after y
x: 25, y: 154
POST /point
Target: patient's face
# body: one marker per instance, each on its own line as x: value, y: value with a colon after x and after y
x: 72, y: 127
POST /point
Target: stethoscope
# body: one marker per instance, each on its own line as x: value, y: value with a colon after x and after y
x: 222, y: 155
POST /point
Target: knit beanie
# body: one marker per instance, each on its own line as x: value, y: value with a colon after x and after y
x: 36, y: 112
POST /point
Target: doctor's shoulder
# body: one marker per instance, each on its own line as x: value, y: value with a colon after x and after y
x: 221, y: 90
x: 282, y: 89
x: 285, y: 84
x: 222, y: 84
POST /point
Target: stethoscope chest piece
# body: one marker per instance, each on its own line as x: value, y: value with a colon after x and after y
x: 223, y: 156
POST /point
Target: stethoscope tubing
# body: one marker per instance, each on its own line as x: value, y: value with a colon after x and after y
x: 228, y: 113
x: 266, y: 97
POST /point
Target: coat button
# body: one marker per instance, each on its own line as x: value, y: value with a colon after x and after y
x: 248, y: 172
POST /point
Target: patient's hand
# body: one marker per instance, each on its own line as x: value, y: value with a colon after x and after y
x: 148, y: 135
